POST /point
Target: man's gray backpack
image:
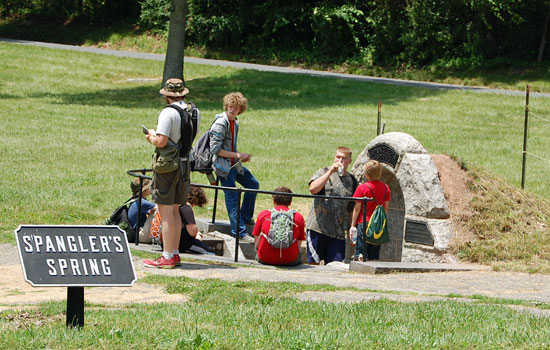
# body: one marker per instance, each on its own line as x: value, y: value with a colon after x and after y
x: 281, y: 231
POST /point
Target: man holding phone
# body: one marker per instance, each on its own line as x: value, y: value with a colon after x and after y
x: 169, y: 190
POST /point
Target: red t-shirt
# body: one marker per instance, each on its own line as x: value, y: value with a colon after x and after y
x: 266, y: 252
x: 364, y: 191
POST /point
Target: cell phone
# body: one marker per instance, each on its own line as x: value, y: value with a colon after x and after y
x: 145, y: 130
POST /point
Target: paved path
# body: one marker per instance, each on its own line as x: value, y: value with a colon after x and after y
x: 404, y: 287
x: 261, y: 67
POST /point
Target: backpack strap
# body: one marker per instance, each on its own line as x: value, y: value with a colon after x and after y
x: 374, y: 196
x: 189, y: 123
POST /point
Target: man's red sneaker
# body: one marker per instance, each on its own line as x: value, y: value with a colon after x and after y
x: 161, y: 263
x: 177, y: 259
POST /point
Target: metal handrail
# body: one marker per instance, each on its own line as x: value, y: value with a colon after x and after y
x: 239, y: 191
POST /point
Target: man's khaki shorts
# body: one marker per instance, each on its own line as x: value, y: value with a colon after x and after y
x: 169, y: 188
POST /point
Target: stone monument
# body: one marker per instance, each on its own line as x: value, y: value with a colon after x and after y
x: 419, y: 218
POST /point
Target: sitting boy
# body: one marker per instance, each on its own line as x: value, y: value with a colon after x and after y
x: 265, y: 252
x: 191, y: 238
x: 146, y: 206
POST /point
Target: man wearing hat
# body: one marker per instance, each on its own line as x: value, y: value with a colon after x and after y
x: 170, y: 189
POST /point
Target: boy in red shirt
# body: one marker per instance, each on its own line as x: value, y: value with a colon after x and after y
x: 265, y: 252
x: 378, y: 190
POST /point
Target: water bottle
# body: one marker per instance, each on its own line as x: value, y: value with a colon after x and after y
x: 341, y: 170
x: 353, y: 235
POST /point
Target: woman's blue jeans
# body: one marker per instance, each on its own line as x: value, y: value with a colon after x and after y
x: 247, y: 180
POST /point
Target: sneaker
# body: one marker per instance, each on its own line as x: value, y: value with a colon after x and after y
x: 247, y: 239
x: 161, y: 263
x: 177, y: 260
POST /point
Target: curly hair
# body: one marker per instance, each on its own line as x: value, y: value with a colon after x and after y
x: 197, y: 196
x: 235, y: 99
x: 282, y: 199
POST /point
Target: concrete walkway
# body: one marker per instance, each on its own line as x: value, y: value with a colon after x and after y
x: 403, y: 287
x: 266, y: 68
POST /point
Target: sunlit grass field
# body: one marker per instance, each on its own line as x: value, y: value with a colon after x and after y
x: 71, y: 130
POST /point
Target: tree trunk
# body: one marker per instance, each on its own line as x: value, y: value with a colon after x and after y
x: 173, y: 63
x: 543, y: 39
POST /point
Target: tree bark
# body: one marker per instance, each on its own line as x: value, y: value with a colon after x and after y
x: 543, y: 38
x: 173, y: 63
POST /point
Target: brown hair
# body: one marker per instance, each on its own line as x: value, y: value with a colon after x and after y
x: 373, y: 169
x: 197, y: 196
x: 344, y: 150
x: 282, y: 199
x: 235, y: 99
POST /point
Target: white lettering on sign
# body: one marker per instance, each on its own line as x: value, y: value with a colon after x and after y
x: 105, y: 243
x: 37, y: 243
x: 59, y: 244
x: 27, y: 241
x: 72, y: 244
x: 93, y: 244
x: 118, y: 246
x: 82, y: 248
x: 79, y: 267
x: 49, y: 245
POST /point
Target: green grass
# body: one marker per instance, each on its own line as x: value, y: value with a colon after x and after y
x: 71, y: 131
x: 497, y: 73
x: 252, y: 315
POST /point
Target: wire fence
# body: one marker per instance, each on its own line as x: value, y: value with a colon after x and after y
x: 529, y: 113
x: 140, y: 173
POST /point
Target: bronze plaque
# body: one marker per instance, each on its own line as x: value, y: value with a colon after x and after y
x: 384, y: 154
x: 418, y: 232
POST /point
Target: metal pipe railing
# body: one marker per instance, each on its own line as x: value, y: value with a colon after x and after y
x: 239, y: 191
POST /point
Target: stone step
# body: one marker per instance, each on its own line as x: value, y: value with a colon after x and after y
x: 223, y: 226
x: 379, y: 267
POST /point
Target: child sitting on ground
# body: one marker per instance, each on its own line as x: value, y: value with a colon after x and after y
x: 265, y: 252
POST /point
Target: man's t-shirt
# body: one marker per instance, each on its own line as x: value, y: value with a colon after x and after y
x: 267, y: 253
x: 169, y: 122
x: 364, y: 191
x: 331, y: 217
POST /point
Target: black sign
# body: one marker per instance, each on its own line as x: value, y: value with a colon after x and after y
x: 75, y: 256
x: 385, y: 154
x: 418, y: 232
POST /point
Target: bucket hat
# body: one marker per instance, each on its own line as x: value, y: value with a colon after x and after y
x: 134, y: 185
x: 174, y: 88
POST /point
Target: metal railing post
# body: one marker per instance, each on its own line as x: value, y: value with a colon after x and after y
x: 525, y: 133
x: 215, y: 200
x: 379, y: 118
x: 238, y: 224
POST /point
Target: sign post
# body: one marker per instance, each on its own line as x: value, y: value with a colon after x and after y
x: 75, y: 257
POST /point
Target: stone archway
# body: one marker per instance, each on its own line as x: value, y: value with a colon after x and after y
x: 419, y: 218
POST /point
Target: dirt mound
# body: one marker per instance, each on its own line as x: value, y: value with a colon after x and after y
x: 455, y: 182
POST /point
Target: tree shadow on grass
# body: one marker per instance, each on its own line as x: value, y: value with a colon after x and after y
x: 264, y: 90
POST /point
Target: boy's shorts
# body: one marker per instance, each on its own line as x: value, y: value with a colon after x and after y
x: 321, y: 247
x: 169, y: 189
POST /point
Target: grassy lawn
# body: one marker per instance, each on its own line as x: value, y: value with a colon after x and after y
x: 502, y: 74
x: 259, y: 315
x: 71, y: 130
x: 70, y: 134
